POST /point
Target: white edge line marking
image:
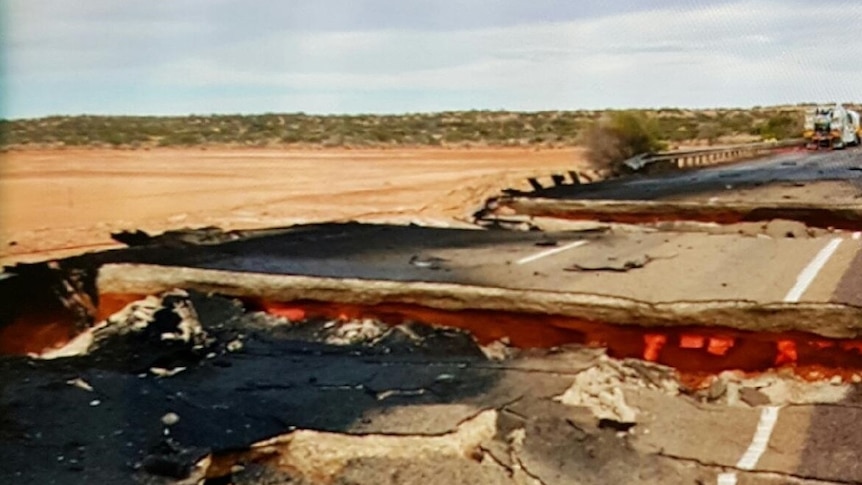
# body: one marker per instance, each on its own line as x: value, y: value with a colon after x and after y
x: 550, y: 252
x: 806, y: 277
x: 768, y: 418
x: 857, y: 236
x: 759, y: 442
x: 727, y: 479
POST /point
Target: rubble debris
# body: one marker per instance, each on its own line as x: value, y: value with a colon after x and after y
x: 429, y: 262
x: 356, y: 332
x: 792, y: 390
x: 170, y: 419
x: 160, y: 335
x: 780, y: 387
x: 80, y: 384
x: 601, y: 390
x: 162, y: 372
x: 614, y: 265
x: 716, y: 390
x: 498, y: 350
x: 177, y: 238
x: 543, y: 224
x: 772, y: 228
x: 753, y: 397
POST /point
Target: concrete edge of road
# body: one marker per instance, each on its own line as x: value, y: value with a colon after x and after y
x: 608, y: 205
x: 833, y: 215
x: 829, y: 320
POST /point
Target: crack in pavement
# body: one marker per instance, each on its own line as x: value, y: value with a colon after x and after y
x: 516, y: 440
x: 757, y: 472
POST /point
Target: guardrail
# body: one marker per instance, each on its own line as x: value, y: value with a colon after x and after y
x: 671, y: 160
x: 707, y: 156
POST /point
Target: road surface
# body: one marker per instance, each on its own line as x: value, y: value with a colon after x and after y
x: 818, y: 176
x: 662, y: 266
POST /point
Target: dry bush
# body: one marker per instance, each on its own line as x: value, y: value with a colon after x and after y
x: 617, y: 137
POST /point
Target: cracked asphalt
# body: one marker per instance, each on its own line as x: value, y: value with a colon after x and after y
x: 406, y: 404
x: 716, y: 266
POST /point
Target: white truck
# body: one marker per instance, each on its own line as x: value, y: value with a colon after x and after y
x: 832, y: 127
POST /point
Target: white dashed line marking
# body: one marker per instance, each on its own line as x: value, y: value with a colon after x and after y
x: 803, y: 281
x: 550, y: 252
x: 765, y: 426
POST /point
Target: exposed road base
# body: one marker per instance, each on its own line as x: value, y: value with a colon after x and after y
x: 183, y: 387
x: 828, y: 320
x: 843, y: 216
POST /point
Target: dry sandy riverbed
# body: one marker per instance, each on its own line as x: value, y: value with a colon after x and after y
x: 60, y: 202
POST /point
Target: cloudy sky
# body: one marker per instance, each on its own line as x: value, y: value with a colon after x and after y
x: 395, y: 56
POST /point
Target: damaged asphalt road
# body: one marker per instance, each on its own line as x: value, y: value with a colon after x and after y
x: 245, y: 384
x: 797, y: 168
x: 189, y: 388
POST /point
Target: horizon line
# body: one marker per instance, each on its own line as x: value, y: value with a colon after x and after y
x: 425, y: 113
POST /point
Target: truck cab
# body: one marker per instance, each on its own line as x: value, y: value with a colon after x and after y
x: 832, y: 127
x: 856, y: 124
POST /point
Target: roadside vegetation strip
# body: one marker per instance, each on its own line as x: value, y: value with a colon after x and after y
x: 829, y: 320
x: 485, y: 128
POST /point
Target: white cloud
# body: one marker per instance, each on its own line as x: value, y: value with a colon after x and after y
x: 751, y: 52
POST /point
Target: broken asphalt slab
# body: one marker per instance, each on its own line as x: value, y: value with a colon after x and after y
x: 825, y: 319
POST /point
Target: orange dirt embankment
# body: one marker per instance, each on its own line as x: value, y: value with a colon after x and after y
x: 60, y: 202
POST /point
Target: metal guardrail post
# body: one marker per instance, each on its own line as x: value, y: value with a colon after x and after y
x: 699, y: 157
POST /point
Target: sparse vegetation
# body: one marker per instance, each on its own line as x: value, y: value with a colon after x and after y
x: 466, y: 128
x: 618, y: 136
x: 781, y: 126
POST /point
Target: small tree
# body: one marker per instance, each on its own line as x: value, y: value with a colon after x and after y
x: 619, y: 136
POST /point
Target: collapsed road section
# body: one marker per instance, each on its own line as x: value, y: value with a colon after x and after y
x: 820, y: 190
x: 189, y: 388
x: 300, y: 355
x: 354, y: 353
